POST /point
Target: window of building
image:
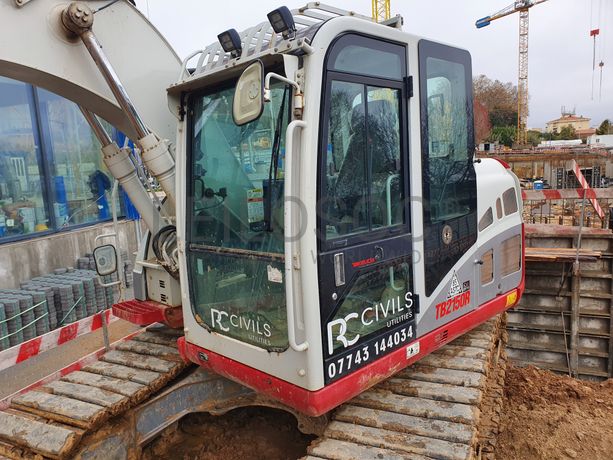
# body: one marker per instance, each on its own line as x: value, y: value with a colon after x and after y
x: 22, y: 194
x: 81, y: 184
x: 51, y: 171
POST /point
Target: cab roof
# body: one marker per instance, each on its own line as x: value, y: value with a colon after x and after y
x: 261, y: 40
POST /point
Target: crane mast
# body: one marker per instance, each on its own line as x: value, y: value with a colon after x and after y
x: 381, y: 10
x: 522, y: 80
x: 522, y: 7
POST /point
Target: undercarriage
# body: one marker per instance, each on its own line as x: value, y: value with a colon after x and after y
x: 444, y: 406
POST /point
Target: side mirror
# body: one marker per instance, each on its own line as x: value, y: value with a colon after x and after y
x: 105, y: 258
x: 248, y: 102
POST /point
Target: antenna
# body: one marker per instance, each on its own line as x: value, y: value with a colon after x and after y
x: 601, y: 65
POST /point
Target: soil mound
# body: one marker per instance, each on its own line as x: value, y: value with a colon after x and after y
x: 548, y: 416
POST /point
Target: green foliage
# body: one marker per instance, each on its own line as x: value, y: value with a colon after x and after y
x: 494, y: 94
x: 503, y: 117
x: 503, y: 134
x: 567, y: 133
x: 605, y: 128
x: 534, y: 138
x: 500, y: 100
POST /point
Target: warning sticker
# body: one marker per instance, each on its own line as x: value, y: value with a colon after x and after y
x: 274, y: 275
x: 255, y: 205
x: 458, y: 297
x: 413, y: 349
x: 455, y: 287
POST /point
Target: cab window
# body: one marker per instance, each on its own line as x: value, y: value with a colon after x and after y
x: 447, y: 139
x: 362, y: 186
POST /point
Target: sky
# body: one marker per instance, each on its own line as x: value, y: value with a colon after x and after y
x: 560, y: 46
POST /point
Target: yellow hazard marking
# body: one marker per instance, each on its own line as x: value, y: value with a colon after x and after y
x: 511, y: 298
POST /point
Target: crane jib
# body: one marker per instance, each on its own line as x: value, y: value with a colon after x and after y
x: 483, y: 22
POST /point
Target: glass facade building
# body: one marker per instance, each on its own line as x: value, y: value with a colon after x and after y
x: 52, y: 177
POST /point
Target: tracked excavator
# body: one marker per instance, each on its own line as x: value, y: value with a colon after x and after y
x: 327, y: 242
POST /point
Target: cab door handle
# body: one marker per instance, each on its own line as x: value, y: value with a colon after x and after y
x: 339, y: 269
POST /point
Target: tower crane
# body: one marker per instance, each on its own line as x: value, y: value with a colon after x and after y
x: 381, y: 10
x: 521, y: 7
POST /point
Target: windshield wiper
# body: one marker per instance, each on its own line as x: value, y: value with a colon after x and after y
x: 274, y: 163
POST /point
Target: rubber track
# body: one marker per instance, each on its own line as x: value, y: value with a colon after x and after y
x: 432, y: 409
x: 51, y: 421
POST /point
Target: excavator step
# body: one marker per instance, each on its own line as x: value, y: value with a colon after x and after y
x: 146, y: 312
x: 151, y: 337
x: 123, y: 372
x: 394, y: 440
x: 342, y: 450
x: 151, y: 349
x: 432, y: 428
x: 114, y: 402
x: 444, y: 376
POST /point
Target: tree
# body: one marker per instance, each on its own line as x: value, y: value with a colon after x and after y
x: 500, y: 99
x: 483, y: 126
x: 503, y: 117
x: 534, y: 138
x: 567, y: 133
x: 494, y: 94
x: 503, y: 134
x: 605, y: 128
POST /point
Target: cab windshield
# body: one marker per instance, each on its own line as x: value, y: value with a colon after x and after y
x: 235, y: 216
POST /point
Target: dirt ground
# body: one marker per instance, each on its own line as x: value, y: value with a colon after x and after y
x: 544, y: 416
x: 249, y: 433
x: 547, y: 416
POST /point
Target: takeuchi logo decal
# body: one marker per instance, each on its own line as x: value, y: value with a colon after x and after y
x: 458, y: 297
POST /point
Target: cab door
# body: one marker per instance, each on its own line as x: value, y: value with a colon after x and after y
x: 367, y: 302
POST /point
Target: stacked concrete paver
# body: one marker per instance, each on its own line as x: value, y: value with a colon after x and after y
x: 50, y: 301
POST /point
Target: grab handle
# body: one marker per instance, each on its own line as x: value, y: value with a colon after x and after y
x: 292, y: 223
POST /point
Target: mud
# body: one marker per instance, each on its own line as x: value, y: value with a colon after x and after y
x: 488, y: 426
x: 248, y: 433
x: 527, y: 413
x: 547, y: 416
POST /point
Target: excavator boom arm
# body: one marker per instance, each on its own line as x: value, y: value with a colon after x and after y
x: 36, y: 50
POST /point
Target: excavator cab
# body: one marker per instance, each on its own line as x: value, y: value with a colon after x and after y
x: 335, y: 224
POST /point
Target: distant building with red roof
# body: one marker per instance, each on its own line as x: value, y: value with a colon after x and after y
x: 585, y: 133
x: 580, y: 124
